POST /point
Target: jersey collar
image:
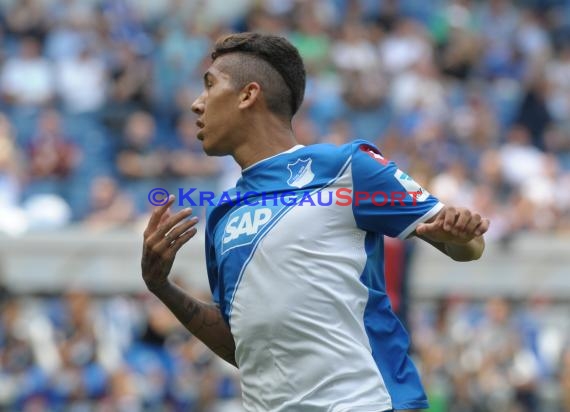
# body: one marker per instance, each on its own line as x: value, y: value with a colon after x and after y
x: 293, y: 149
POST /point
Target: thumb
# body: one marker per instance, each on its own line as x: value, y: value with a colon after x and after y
x: 425, y: 228
x: 422, y: 228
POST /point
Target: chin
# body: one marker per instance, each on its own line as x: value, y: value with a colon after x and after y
x: 210, y: 150
x: 214, y: 145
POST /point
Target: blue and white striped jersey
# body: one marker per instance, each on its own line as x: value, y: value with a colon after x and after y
x: 295, y: 261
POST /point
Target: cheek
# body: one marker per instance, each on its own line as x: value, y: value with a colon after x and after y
x: 223, y: 120
x: 221, y: 104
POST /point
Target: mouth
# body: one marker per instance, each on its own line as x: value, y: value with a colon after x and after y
x: 200, y: 125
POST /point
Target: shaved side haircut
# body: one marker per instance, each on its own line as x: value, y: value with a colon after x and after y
x: 269, y: 60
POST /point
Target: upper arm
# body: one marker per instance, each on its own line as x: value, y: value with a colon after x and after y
x: 387, y: 200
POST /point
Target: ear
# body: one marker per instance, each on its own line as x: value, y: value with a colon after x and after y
x: 249, y: 95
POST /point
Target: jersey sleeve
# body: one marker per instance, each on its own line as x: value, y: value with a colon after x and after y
x: 385, y: 199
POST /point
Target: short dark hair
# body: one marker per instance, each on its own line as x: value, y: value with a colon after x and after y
x: 270, y: 60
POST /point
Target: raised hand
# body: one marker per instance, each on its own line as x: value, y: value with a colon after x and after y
x: 164, y: 235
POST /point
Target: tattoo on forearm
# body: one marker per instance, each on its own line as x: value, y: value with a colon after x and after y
x: 213, y: 320
x: 203, y: 320
x: 191, y: 309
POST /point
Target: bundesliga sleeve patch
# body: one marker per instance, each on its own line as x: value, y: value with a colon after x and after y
x: 411, y: 186
x: 374, y: 154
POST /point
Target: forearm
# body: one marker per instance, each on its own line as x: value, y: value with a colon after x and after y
x: 203, y: 320
x: 465, y: 252
x: 461, y: 252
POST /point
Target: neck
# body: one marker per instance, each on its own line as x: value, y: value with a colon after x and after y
x: 264, y: 137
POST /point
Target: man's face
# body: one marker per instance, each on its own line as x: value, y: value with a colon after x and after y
x: 218, y: 112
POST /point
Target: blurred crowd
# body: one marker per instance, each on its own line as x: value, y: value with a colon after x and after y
x: 80, y: 352
x: 77, y: 352
x: 471, y: 98
x: 497, y: 355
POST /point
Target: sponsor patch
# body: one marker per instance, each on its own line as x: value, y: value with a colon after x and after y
x: 411, y: 186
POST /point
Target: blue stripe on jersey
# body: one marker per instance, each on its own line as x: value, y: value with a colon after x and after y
x: 388, y: 338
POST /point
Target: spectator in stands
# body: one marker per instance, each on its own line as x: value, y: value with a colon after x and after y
x: 21, y: 379
x: 461, y: 47
x: 453, y: 185
x: 27, y: 18
x: 130, y: 79
x: 137, y: 158
x: 81, y: 82
x: 518, y: 150
x: 534, y: 113
x: 140, y: 163
x: 404, y: 47
x: 52, y: 156
x: 110, y: 208
x: 27, y: 80
x: 475, y: 128
x: 129, y: 83
x: 78, y: 328
x: 310, y: 38
x: 69, y: 32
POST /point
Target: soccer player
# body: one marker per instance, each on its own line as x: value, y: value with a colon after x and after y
x: 296, y: 267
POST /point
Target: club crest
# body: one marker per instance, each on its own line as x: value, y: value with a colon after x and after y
x: 301, y: 173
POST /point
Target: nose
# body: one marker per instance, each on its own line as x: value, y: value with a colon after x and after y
x: 198, y: 105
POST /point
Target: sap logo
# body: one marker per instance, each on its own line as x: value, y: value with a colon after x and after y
x: 245, y: 225
x: 411, y: 186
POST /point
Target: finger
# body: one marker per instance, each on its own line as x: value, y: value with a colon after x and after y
x: 157, y: 214
x: 449, y: 219
x: 182, y: 239
x: 473, y: 224
x: 421, y: 229
x: 440, y: 216
x: 483, y: 227
x: 181, y: 228
x: 425, y: 228
x: 463, y: 218
x: 171, y: 222
x: 165, y: 217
